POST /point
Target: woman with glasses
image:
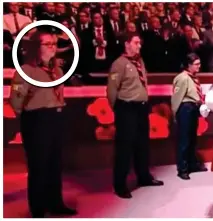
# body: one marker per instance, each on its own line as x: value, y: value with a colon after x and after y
x: 40, y: 111
x: 186, y: 100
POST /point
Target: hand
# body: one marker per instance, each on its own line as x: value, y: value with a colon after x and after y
x: 204, y: 110
x: 60, y: 62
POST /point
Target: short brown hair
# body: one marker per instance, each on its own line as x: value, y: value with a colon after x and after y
x: 128, y: 36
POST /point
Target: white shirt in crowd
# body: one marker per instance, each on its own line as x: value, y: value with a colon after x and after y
x: 9, y: 22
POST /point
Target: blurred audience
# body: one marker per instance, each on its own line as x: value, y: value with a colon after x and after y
x: 168, y: 31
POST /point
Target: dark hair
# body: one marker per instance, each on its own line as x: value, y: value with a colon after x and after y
x: 190, y: 58
x: 82, y: 11
x: 94, y: 12
x: 172, y: 11
x: 128, y: 36
x: 32, y: 56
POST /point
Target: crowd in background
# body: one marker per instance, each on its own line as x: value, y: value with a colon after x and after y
x: 168, y: 32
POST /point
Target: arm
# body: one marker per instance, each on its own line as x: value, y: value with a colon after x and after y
x: 180, y: 89
x: 60, y: 50
x: 114, y: 82
x: 19, y: 92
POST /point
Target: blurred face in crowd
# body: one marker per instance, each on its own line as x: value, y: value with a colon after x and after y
x: 160, y: 7
x: 148, y: 5
x: 49, y: 7
x: 97, y: 20
x: 211, y: 6
x: 171, y: 6
x: 190, y: 11
x: 127, y: 7
x: 133, y: 47
x: 86, y: 9
x: 198, y: 21
x: 60, y: 8
x: 102, y: 4
x: 175, y: 16
x: 114, y: 14
x: 152, y: 11
x: 28, y: 5
x: 195, y: 66
x: 75, y: 4
x: 83, y: 17
x: 14, y: 7
x: 136, y: 10
x: 48, y: 47
x: 130, y: 27
x: 188, y: 31
x: 155, y: 22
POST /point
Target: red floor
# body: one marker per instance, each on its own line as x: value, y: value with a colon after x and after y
x: 91, y: 193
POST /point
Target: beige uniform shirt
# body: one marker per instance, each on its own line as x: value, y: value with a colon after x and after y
x: 124, y: 82
x: 184, y: 90
x: 24, y: 96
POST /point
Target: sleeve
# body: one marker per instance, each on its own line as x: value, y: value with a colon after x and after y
x: 179, y: 91
x: 5, y: 26
x: 144, y: 72
x: 19, y: 91
x: 114, y: 82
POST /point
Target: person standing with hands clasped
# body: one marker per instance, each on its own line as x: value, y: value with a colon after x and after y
x: 186, y: 100
x: 128, y: 97
x: 40, y: 112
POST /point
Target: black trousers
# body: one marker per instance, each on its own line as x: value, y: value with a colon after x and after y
x: 131, y: 141
x: 42, y: 140
x: 187, y: 122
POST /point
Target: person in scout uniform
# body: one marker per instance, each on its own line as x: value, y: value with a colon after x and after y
x: 128, y: 97
x: 186, y: 100
x: 40, y: 113
x: 206, y: 108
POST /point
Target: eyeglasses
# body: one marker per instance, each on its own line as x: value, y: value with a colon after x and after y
x: 197, y: 64
x: 49, y: 44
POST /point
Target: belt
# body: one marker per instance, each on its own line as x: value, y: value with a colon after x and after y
x: 132, y: 102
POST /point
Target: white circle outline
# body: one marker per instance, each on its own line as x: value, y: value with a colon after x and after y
x: 39, y: 83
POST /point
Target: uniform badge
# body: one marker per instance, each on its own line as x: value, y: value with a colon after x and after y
x: 113, y: 76
x: 17, y: 87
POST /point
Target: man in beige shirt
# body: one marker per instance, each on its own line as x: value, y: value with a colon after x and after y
x: 186, y: 100
x: 128, y: 97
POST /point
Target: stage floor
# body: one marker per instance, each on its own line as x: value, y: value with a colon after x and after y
x: 91, y: 193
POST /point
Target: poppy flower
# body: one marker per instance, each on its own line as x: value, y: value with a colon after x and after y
x: 101, y: 110
x: 202, y: 126
x: 159, y: 126
x: 163, y: 110
x: 8, y: 111
x: 105, y: 133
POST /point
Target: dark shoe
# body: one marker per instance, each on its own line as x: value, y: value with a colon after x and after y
x: 38, y: 215
x: 63, y: 211
x: 123, y: 193
x: 184, y: 176
x: 150, y: 182
x: 201, y: 168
